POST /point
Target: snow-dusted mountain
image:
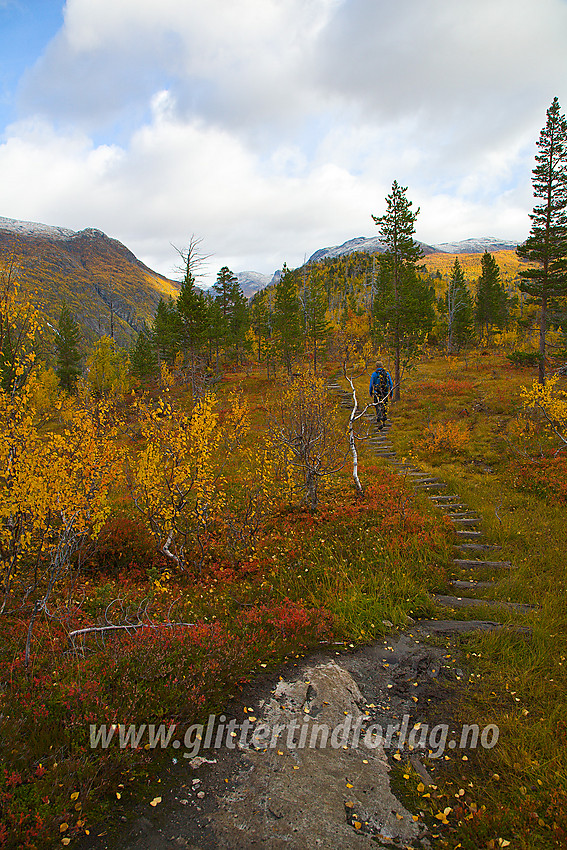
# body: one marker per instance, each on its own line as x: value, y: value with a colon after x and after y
x: 98, y: 277
x: 477, y: 246
x: 366, y: 244
x: 34, y: 229
x: 251, y: 282
x: 372, y: 245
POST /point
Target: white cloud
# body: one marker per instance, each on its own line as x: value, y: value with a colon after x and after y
x: 272, y: 128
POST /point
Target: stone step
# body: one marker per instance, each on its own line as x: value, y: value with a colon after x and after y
x: 477, y: 547
x: 442, y: 498
x: 467, y: 602
x: 466, y: 563
x: 463, y: 515
x: 436, y: 486
x: 471, y: 585
x: 432, y: 627
x: 468, y: 535
x: 465, y: 521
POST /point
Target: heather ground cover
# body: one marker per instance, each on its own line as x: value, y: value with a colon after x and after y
x: 463, y: 420
x: 301, y: 579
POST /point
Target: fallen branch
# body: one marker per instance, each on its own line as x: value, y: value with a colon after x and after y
x: 128, y: 626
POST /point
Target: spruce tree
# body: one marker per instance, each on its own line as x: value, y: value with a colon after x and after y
x: 403, y: 301
x: 239, y: 324
x: 192, y: 312
x: 460, y: 310
x: 547, y: 243
x: 144, y: 356
x: 491, y: 299
x: 67, y: 341
x: 315, y: 307
x: 167, y: 330
x: 287, y: 318
x: 262, y: 319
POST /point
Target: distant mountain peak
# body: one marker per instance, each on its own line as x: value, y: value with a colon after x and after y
x: 477, y: 246
x: 364, y: 244
x: 93, y: 273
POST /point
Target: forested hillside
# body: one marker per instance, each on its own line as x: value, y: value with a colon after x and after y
x: 100, y: 280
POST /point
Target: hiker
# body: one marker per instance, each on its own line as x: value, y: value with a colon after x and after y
x: 381, y: 387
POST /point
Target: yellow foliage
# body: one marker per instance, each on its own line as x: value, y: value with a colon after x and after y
x: 177, y: 480
x: 54, y: 489
x: 548, y: 400
x: 19, y: 328
x: 166, y: 379
x: 448, y: 436
x: 45, y: 390
x: 108, y: 369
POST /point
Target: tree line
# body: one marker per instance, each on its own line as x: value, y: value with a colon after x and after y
x: 361, y: 303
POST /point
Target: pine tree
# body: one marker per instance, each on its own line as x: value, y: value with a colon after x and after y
x: 262, y: 319
x: 315, y: 306
x: 192, y: 312
x: 491, y: 299
x: 403, y: 303
x: 144, y: 356
x: 215, y: 330
x: 459, y: 309
x: 239, y: 324
x: 547, y: 243
x: 167, y: 331
x: 67, y: 341
x: 287, y: 318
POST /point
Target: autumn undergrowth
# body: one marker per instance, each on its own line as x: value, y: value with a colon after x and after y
x: 513, y: 795
x: 302, y: 579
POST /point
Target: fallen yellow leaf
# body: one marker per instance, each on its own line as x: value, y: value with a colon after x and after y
x: 63, y: 827
x: 75, y: 795
x: 357, y: 824
x: 155, y: 801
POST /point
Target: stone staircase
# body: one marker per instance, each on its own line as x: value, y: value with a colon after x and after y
x: 472, y: 563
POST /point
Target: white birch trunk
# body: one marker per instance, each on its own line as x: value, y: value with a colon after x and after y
x: 352, y: 443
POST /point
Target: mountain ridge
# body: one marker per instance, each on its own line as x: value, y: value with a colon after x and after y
x: 98, y: 277
x: 373, y: 244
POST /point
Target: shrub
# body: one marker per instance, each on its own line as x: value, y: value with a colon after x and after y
x: 545, y: 477
x: 524, y: 358
x: 121, y: 542
x: 444, y: 437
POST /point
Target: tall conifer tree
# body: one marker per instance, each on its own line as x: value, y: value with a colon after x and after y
x: 547, y: 243
x: 67, y: 341
x: 491, y: 299
x: 287, y: 318
x: 403, y: 302
x: 459, y: 309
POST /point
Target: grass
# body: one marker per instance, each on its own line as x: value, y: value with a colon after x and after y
x: 341, y: 574
x: 516, y: 792
x: 344, y: 573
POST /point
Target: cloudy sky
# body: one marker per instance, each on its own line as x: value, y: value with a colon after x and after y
x: 271, y: 128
